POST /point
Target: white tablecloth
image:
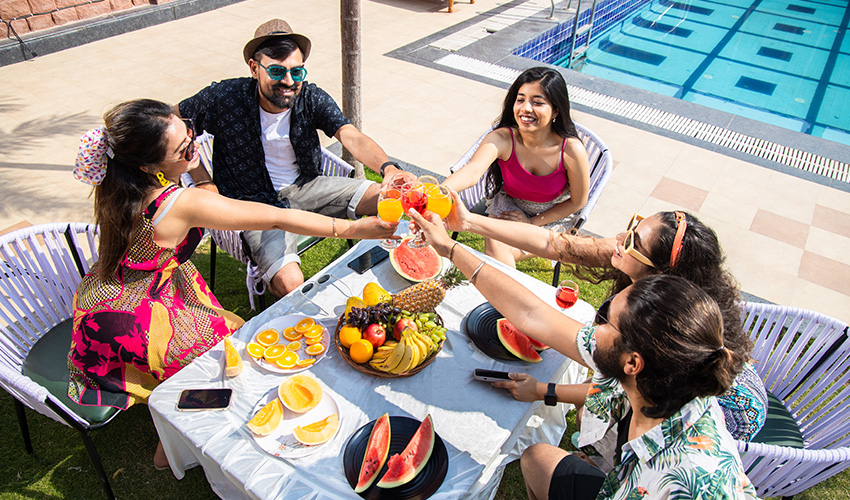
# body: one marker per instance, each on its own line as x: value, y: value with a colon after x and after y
x: 479, y: 424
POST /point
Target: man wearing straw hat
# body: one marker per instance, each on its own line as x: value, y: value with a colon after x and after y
x: 267, y: 148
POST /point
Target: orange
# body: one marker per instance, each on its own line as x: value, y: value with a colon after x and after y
x: 317, y: 432
x: 255, y: 350
x: 273, y: 352
x: 294, y: 346
x: 315, y: 349
x: 348, y: 334
x: 291, y: 334
x: 287, y: 360
x: 303, y: 363
x: 267, y: 419
x: 361, y: 351
x: 315, y: 331
x: 233, y: 361
x: 300, y: 393
x: 268, y: 337
x: 314, y: 340
x: 304, y: 325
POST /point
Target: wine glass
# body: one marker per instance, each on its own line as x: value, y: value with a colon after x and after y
x: 390, y: 210
x: 567, y: 294
x: 439, y: 200
x: 413, y: 197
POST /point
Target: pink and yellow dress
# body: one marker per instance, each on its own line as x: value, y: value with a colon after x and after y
x: 145, y: 323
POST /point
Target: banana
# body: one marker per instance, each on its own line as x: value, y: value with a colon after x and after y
x: 393, y: 360
x: 409, y: 352
x: 428, y: 343
x: 424, y: 350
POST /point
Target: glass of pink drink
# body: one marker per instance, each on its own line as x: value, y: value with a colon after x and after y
x: 567, y: 294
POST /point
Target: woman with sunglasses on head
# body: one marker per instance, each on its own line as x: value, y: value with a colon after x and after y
x: 674, y: 243
x: 144, y: 312
x: 658, y: 355
x: 536, y: 166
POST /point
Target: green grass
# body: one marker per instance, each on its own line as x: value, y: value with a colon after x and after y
x: 60, y: 467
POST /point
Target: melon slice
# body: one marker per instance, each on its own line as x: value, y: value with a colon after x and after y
x: 233, y: 361
x: 300, y: 393
x: 516, y: 342
x: 267, y: 419
x: 402, y: 468
x: 415, y: 264
x: 317, y: 432
x: 376, y: 453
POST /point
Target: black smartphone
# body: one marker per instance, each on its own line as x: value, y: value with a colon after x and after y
x: 205, y: 399
x: 490, y: 375
x: 368, y: 260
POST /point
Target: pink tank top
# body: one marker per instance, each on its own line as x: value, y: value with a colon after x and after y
x: 521, y: 184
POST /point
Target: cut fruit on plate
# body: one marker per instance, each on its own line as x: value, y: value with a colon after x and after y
x: 268, y: 337
x: 317, y: 432
x: 377, y: 450
x: 403, y: 467
x: 297, y: 343
x: 300, y: 393
x: 267, y: 419
x: 415, y: 264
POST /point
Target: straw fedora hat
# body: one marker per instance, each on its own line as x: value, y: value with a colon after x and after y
x: 272, y: 29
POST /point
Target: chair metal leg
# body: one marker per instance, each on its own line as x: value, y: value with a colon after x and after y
x: 212, y: 264
x: 22, y: 423
x: 98, y: 466
x: 556, y: 274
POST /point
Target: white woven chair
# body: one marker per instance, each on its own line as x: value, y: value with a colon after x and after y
x: 804, y: 360
x: 40, y: 268
x: 232, y: 242
x: 599, y: 159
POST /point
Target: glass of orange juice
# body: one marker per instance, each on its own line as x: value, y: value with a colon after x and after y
x: 440, y: 201
x: 390, y: 210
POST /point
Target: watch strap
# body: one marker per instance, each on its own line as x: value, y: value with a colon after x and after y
x: 387, y: 164
x: 550, y: 399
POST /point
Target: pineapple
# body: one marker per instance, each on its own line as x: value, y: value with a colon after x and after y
x: 426, y: 296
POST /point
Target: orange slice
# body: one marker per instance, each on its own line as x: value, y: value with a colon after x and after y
x: 268, y: 337
x: 289, y: 359
x: 315, y: 349
x: 233, y: 361
x: 255, y: 350
x: 274, y: 352
x: 303, y: 363
x: 305, y: 325
x: 314, y: 340
x: 294, y: 346
x: 291, y: 334
x: 267, y: 419
x: 315, y: 331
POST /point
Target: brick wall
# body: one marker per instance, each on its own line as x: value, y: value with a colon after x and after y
x: 27, y: 16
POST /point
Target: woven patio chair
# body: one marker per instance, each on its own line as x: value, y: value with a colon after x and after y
x: 233, y: 243
x: 599, y: 159
x: 40, y: 268
x: 804, y: 360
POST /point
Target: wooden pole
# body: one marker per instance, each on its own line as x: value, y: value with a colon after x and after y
x: 350, y: 27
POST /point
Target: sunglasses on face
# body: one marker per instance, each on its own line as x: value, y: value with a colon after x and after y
x: 189, y: 151
x: 278, y: 73
x: 602, y: 314
x: 629, y: 241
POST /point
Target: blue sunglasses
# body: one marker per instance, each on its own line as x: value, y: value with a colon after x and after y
x: 278, y: 73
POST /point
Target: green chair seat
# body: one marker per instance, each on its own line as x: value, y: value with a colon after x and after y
x: 779, y: 428
x: 47, y: 366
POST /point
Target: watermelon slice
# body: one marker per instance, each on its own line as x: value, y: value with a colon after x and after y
x: 402, y: 468
x: 415, y: 264
x: 516, y: 342
x: 376, y: 453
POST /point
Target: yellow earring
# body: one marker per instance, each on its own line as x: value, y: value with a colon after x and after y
x: 162, y: 180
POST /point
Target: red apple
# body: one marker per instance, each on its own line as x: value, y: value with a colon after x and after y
x: 375, y: 334
x: 400, y: 326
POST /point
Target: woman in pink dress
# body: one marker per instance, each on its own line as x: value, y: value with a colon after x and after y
x: 536, y: 166
x: 144, y: 312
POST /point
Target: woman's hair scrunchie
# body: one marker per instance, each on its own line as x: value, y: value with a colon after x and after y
x: 90, y: 166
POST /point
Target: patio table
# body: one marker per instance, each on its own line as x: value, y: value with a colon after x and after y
x: 478, y: 423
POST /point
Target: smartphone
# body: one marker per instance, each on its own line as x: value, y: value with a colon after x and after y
x: 368, y: 260
x: 490, y: 375
x: 205, y: 399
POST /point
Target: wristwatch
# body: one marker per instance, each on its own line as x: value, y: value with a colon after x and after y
x: 387, y: 164
x: 550, y: 399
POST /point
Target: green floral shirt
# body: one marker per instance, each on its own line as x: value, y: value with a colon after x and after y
x: 689, y: 455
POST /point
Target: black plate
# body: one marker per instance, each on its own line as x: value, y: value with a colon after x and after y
x: 480, y: 327
x: 402, y: 429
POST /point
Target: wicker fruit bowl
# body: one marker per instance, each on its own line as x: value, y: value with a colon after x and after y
x: 370, y: 370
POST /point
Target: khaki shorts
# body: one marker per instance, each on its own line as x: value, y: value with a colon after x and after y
x: 331, y: 196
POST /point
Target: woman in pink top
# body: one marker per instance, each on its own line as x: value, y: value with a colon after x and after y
x: 536, y: 166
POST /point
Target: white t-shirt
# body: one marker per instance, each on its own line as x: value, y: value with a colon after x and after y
x: 280, y: 157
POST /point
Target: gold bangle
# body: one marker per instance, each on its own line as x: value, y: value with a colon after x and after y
x: 452, y: 251
x: 333, y: 227
x: 475, y: 273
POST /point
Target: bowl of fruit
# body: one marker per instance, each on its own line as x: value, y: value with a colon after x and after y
x: 391, y: 336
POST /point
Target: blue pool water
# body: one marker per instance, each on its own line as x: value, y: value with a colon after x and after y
x: 784, y: 62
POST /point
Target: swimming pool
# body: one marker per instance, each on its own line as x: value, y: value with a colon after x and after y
x: 786, y: 63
